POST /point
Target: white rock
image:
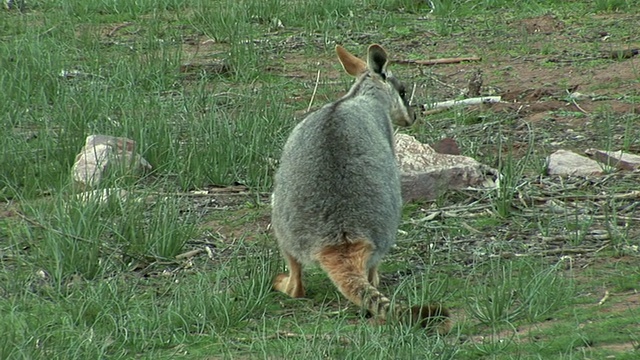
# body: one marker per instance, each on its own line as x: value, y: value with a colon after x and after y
x: 101, y: 154
x: 567, y: 163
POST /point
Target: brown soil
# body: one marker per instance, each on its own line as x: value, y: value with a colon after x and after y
x: 546, y: 24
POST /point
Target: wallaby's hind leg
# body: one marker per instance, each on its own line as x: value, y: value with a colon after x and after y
x: 290, y: 284
x: 346, y: 266
x: 373, y: 277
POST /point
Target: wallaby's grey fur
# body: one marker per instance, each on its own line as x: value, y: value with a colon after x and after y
x: 337, y: 201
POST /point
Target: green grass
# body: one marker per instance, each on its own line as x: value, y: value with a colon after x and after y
x: 521, y: 267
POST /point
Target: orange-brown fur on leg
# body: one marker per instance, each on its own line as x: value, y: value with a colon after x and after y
x: 290, y: 284
x: 346, y: 266
x: 373, y: 277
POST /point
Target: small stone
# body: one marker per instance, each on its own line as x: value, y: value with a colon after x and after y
x: 446, y: 146
x: 567, y: 163
x: 617, y: 159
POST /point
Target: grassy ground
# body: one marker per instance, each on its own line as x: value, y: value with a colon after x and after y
x: 544, y: 268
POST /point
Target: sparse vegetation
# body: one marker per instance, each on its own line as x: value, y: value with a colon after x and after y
x: 541, y: 268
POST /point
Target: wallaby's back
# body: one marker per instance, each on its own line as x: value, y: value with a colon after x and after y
x: 337, y: 176
x: 337, y: 200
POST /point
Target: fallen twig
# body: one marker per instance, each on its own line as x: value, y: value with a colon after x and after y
x: 613, y: 54
x: 619, y: 218
x: 573, y: 100
x: 291, y: 335
x: 118, y: 27
x: 467, y: 211
x: 471, y: 101
x: 315, y: 88
x: 189, y: 254
x: 437, y: 61
x: 594, y: 235
x: 470, y: 228
x: 47, y: 31
x: 629, y: 195
x: 578, y: 106
x: 621, y: 54
x: 604, y: 298
x: 555, y: 60
x: 434, y: 111
x: 413, y: 92
x: 563, y: 251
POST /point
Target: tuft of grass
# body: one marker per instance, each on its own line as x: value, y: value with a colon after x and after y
x: 611, y: 5
x: 85, y: 238
x: 511, y: 172
x: 518, y: 291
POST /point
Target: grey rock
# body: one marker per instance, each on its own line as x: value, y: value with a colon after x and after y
x: 426, y: 174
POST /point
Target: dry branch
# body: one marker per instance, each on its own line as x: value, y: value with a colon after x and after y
x: 118, y: 27
x: 630, y: 195
x: 437, y: 61
x: 315, y: 89
x: 471, y: 101
x: 189, y: 254
x: 604, y: 298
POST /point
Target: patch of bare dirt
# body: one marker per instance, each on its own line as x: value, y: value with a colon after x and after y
x: 203, y: 57
x: 537, y: 86
x: 619, y: 348
x: 545, y: 24
x: 531, y: 88
x: 240, y: 224
x: 8, y: 210
x: 616, y: 77
x: 230, y: 217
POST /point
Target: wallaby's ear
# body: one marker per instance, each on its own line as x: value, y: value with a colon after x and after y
x: 377, y: 59
x: 351, y: 64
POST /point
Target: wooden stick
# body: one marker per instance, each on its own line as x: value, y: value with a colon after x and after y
x: 189, y: 254
x: 604, y: 298
x: 315, y: 88
x: 118, y: 27
x: 471, y: 101
x: 437, y: 61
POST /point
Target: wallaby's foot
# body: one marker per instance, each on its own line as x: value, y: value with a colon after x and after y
x: 434, y: 318
x: 283, y: 283
x: 290, y: 284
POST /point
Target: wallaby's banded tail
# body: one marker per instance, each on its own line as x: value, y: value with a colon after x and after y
x: 336, y: 200
x: 346, y: 266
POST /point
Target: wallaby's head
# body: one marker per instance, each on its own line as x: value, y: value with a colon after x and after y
x: 376, y: 70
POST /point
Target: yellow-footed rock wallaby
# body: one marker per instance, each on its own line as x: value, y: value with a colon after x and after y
x: 336, y: 200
